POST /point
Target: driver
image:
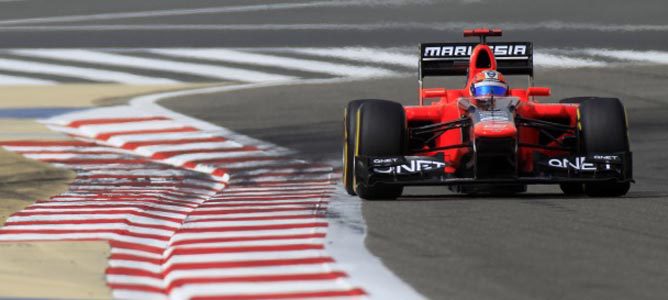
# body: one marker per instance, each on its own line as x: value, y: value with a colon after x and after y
x: 489, y: 83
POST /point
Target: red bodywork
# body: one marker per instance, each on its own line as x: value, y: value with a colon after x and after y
x: 444, y: 107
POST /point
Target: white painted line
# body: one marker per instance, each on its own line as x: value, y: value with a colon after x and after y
x: 273, y: 193
x: 150, y: 150
x: 219, y: 223
x: 61, y: 199
x: 658, y: 57
x: 139, y: 172
x: 184, y: 158
x: 275, y: 61
x: 102, y: 58
x: 281, y: 178
x: 361, y: 54
x: 122, y: 139
x: 279, y: 242
x: 93, y: 130
x: 78, y: 72
x: 65, y: 213
x: 75, y: 196
x: 559, y: 61
x: 264, y: 202
x: 19, y: 80
x: 86, y: 202
x: 121, y: 187
x: 117, y: 250
x: 242, y: 288
x: 71, y: 149
x: 255, y: 271
x: 106, y: 226
x: 235, y: 208
x: 138, y: 295
x: 242, y: 256
x: 104, y: 204
x: 73, y: 156
x: 203, y: 218
x: 255, y: 233
x: 130, y: 217
x: 287, y: 189
x: 96, y: 166
x: 133, y: 264
x: 260, y: 171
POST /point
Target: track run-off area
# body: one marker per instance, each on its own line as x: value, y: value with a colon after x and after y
x: 194, y: 211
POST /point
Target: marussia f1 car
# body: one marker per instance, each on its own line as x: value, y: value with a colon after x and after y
x: 497, y: 143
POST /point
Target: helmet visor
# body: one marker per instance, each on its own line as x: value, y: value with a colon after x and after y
x: 486, y: 90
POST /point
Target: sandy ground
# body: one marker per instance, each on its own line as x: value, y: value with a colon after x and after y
x: 18, y: 182
x: 61, y: 270
x: 27, y: 129
x: 77, y: 95
x: 66, y: 270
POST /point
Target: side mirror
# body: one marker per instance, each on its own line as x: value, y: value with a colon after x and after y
x: 538, y: 91
x: 433, y: 93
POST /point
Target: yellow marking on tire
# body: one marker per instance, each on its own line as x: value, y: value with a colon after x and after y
x: 357, y: 143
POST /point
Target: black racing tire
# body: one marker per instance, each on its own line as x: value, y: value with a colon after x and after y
x: 577, y: 100
x: 380, y: 131
x: 607, y: 189
x: 603, y: 129
x: 572, y: 188
x: 349, y: 131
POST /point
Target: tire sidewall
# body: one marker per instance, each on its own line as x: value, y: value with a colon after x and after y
x: 380, y: 131
x: 603, y: 129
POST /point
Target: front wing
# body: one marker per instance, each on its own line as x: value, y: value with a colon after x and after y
x: 428, y: 170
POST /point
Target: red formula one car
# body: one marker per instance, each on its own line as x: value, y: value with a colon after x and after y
x: 486, y: 137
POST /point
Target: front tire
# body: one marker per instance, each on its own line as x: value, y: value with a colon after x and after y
x: 349, y: 132
x: 349, y: 129
x: 578, y: 100
x: 380, y: 131
x: 603, y: 130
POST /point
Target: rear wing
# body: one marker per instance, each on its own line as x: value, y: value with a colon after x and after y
x: 452, y: 59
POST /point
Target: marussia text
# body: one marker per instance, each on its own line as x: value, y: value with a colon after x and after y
x: 465, y: 51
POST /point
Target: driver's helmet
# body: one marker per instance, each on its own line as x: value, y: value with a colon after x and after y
x: 489, y: 83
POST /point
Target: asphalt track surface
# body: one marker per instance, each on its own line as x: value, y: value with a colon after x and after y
x: 250, y: 23
x: 540, y: 245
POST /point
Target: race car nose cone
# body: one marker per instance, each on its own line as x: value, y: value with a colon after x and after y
x: 494, y: 129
